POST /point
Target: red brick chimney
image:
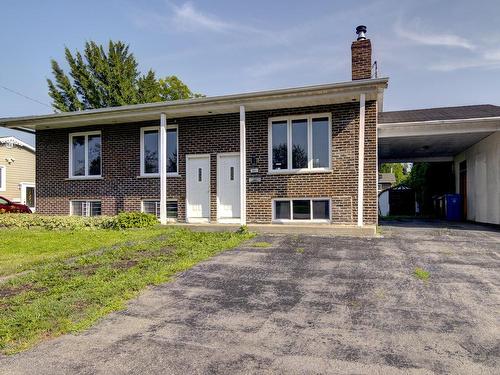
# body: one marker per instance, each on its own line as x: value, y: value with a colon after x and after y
x: 361, y: 50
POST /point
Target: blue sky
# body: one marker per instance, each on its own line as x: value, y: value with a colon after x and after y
x: 436, y: 53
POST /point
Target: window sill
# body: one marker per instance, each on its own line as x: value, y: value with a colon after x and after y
x: 84, y: 178
x: 158, y: 176
x: 295, y: 222
x: 299, y: 171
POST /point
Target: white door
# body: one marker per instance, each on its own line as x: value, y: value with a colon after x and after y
x: 28, y: 195
x: 228, y: 187
x: 198, y: 188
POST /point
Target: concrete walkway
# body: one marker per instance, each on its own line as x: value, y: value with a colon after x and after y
x: 305, y: 305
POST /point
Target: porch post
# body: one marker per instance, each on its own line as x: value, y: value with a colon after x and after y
x: 163, y: 168
x: 243, y: 168
x: 361, y: 158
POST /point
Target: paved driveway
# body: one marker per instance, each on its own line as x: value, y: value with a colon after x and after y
x: 306, y: 305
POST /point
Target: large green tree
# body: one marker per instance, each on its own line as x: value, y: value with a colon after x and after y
x: 99, y: 78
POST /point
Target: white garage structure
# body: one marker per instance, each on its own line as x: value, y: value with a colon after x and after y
x: 468, y: 136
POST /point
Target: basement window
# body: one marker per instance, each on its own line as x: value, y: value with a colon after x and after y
x: 150, y: 151
x: 301, y: 209
x: 300, y: 143
x: 151, y: 206
x: 85, y: 208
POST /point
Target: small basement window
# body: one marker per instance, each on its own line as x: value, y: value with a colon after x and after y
x: 153, y: 207
x: 86, y: 208
x: 303, y: 209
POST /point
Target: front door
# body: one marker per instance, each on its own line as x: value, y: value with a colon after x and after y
x: 228, y: 187
x: 197, y: 188
x: 28, y: 195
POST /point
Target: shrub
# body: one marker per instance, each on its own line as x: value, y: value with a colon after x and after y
x: 122, y: 221
x: 126, y: 220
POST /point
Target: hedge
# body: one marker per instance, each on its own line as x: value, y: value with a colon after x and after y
x: 121, y: 221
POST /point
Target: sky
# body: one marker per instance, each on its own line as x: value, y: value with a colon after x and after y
x: 435, y: 52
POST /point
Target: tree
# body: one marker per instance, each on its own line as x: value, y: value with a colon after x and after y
x: 111, y: 78
x: 396, y: 168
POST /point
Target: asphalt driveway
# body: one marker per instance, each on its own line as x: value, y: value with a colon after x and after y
x: 306, y: 305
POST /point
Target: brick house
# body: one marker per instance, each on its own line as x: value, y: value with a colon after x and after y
x: 300, y: 155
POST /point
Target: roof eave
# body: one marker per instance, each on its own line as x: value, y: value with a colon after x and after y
x: 292, y: 97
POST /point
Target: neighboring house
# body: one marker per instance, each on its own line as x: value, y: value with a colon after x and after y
x: 17, y: 171
x: 386, y: 180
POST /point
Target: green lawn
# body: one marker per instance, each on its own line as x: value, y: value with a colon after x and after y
x: 77, y: 277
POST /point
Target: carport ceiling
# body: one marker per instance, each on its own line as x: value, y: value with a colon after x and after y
x: 414, y: 148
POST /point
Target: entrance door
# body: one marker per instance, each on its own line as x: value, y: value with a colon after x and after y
x: 228, y: 187
x: 197, y: 188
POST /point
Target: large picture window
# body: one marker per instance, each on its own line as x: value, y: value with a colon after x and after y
x: 150, y: 151
x: 300, y: 143
x: 85, y: 155
x: 301, y: 209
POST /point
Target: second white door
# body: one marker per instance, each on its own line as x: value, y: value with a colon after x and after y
x: 228, y: 187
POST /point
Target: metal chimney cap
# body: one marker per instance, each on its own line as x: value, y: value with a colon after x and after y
x: 361, y: 30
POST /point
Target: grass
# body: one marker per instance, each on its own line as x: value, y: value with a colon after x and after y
x: 421, y: 274
x: 261, y: 244
x: 300, y: 250
x: 65, y: 293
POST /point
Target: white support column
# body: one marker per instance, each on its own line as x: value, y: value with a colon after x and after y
x: 163, y: 168
x: 361, y: 158
x: 243, y: 168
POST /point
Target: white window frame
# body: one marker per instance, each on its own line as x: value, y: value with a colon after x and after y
x: 87, y: 201
x: 3, y: 178
x: 169, y: 219
x: 289, y: 120
x: 157, y: 128
x: 86, y: 176
x: 296, y: 221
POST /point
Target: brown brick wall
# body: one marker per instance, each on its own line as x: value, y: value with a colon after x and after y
x: 361, y: 51
x: 122, y: 190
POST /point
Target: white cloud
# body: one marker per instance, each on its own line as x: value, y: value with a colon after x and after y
x: 432, y: 39
x: 188, y: 18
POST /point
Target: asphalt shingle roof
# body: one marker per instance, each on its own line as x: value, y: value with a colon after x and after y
x: 443, y: 113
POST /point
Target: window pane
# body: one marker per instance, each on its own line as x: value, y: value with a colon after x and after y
x: 78, y: 156
x: 172, y: 209
x: 321, y: 210
x: 320, y: 140
x: 94, y: 155
x: 280, y: 148
x: 151, y: 151
x: 301, y: 209
x: 172, y: 150
x: 151, y: 207
x: 95, y: 208
x: 77, y: 208
x: 282, y: 209
x: 299, y: 144
x: 30, y: 196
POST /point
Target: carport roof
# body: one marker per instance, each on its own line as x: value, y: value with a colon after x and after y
x: 442, y: 113
x: 434, y: 134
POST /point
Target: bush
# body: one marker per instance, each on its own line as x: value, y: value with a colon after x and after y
x: 122, y: 221
x: 126, y: 220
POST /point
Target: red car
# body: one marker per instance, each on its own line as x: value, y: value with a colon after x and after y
x: 8, y: 206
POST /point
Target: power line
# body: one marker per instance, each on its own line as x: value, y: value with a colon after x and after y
x: 25, y: 96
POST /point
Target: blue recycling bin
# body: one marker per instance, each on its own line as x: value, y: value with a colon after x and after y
x: 453, y: 207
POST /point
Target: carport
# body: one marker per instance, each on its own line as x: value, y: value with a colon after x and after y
x: 468, y: 137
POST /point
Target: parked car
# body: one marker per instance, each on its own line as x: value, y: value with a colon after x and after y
x: 8, y: 206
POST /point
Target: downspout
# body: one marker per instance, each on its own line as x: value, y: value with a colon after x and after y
x: 243, y: 168
x: 361, y: 158
x: 163, y: 169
